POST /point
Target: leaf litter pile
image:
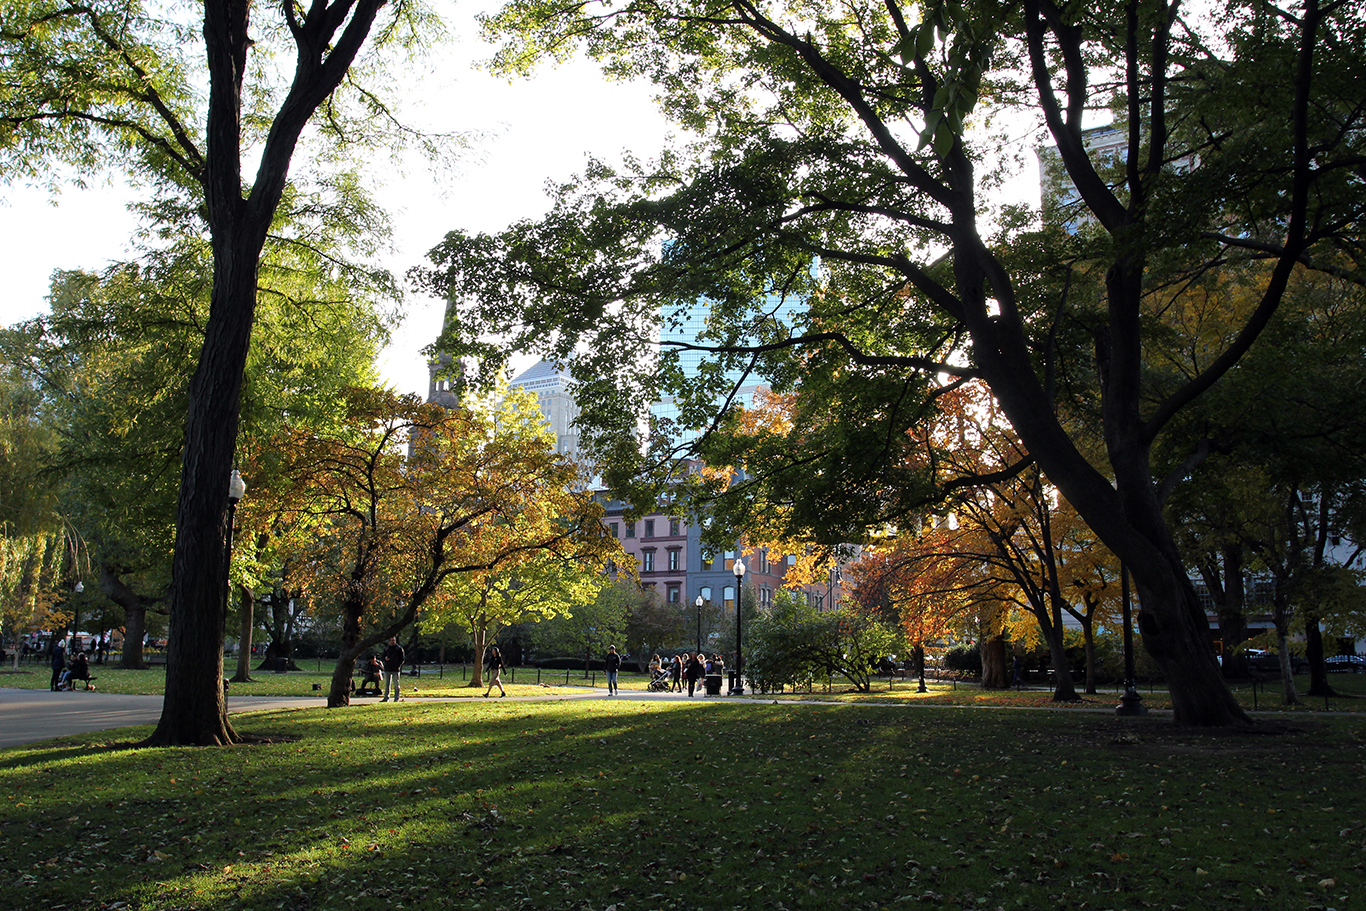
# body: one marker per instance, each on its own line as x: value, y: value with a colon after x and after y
x: 622, y: 806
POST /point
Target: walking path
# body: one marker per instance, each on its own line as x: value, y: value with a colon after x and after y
x: 30, y: 716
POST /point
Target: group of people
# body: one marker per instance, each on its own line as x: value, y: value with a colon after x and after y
x: 389, y: 667
x: 688, y: 667
x: 64, y: 673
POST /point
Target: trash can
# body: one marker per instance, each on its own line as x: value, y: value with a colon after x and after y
x: 713, y: 682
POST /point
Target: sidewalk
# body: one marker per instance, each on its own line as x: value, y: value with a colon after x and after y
x: 28, y: 716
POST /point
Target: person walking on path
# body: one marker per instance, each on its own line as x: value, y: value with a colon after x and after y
x: 58, y: 664
x: 495, y: 661
x: 692, y: 669
x: 393, y: 668
x: 613, y: 664
x: 677, y: 673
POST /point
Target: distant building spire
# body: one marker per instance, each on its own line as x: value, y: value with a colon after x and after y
x: 443, y: 371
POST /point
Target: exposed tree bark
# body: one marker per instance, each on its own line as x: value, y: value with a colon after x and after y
x: 1128, y: 515
x: 135, y: 609
x: 1229, y: 592
x: 328, y: 37
x: 1064, y: 689
x: 995, y: 669
x: 1088, y: 633
x: 479, y: 641
x: 283, y: 609
x: 246, y: 600
x: 1280, y: 618
x: 1314, y: 653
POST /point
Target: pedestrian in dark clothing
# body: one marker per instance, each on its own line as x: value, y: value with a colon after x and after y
x: 79, y: 670
x: 58, y: 664
x: 495, y: 661
x: 393, y: 668
x: 370, y: 674
x: 613, y: 664
x: 692, y: 670
x: 676, y: 672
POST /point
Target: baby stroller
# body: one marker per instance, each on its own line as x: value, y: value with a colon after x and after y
x: 659, y: 681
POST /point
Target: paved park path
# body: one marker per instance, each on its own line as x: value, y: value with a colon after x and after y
x: 30, y: 716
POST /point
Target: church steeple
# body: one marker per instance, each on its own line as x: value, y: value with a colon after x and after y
x: 443, y: 370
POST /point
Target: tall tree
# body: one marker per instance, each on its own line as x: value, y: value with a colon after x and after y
x: 794, y: 643
x: 100, y: 79
x: 834, y: 218
x: 589, y: 627
x: 411, y: 496
x: 112, y: 362
x: 530, y: 588
x: 655, y: 624
x: 1279, y: 495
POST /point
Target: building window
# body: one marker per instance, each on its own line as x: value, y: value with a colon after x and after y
x: 630, y: 529
x: 649, y: 528
x: 673, y: 526
x: 647, y: 561
x: 673, y: 560
x: 706, y: 593
x: 706, y: 563
x: 728, y: 596
x: 616, y: 529
x: 730, y: 561
x: 673, y: 594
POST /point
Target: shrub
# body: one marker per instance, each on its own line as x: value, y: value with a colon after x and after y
x: 965, y: 658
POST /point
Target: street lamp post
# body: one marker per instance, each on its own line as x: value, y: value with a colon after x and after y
x: 739, y: 688
x: 1131, y: 703
x: 237, y: 488
x: 698, y: 602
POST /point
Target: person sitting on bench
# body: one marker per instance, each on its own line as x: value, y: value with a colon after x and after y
x: 370, y: 671
x: 79, y: 670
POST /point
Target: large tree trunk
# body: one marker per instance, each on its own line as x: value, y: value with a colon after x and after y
x: 479, y: 640
x: 1125, y: 514
x: 327, y: 39
x: 134, y: 630
x: 194, y: 710
x: 134, y: 616
x: 1314, y: 653
x: 995, y: 672
x: 351, y: 646
x: 1064, y: 690
x: 246, y: 603
x: 1232, y: 615
x: 1088, y: 633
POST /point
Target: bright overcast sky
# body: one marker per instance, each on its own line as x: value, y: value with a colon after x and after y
x: 537, y: 130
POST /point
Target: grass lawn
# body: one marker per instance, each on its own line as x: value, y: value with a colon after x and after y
x: 452, y: 681
x: 693, y: 805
